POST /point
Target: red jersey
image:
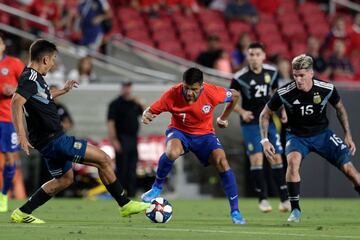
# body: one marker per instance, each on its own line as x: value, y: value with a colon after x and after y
x: 193, y: 118
x: 10, y: 70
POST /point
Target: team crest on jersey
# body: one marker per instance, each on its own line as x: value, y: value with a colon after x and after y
x: 317, y: 98
x: 77, y: 145
x: 228, y: 94
x: 4, y: 71
x: 267, y: 78
x: 206, y: 108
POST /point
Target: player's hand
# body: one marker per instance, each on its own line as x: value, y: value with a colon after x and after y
x: 70, y: 84
x: 147, y: 116
x: 269, y: 150
x: 24, y: 143
x: 350, y: 143
x: 247, y: 116
x: 222, y: 123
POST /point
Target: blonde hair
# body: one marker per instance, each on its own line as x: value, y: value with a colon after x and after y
x: 302, y: 62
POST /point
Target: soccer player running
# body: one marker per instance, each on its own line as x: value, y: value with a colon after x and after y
x: 191, y: 104
x: 34, y: 99
x: 10, y: 70
x: 305, y: 102
x: 256, y: 83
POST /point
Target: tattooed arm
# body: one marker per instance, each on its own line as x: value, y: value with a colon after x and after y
x: 264, y: 119
x: 344, y: 121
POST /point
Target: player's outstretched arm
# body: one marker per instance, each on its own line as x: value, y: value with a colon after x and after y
x: 247, y: 116
x: 344, y: 121
x: 17, y: 104
x: 69, y: 85
x: 148, y: 116
x: 264, y: 119
x: 222, y: 121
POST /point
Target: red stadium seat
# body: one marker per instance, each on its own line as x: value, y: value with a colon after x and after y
x: 163, y: 36
x: 265, y: 28
x: 343, y: 77
x: 187, y: 25
x: 309, y: 8
x: 133, y: 24
x: 159, y: 24
x: 191, y: 37
x: 298, y: 48
x: 170, y: 46
x: 279, y: 48
x: 318, y: 30
x: 127, y: 13
x: 239, y: 27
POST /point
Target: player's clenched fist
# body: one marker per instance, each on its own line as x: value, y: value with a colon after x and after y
x: 222, y: 123
x: 147, y: 116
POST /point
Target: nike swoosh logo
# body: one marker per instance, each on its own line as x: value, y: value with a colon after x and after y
x: 232, y: 198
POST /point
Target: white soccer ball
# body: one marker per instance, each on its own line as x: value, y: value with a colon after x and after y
x: 160, y: 210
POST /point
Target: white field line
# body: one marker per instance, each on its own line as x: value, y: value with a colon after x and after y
x: 317, y: 236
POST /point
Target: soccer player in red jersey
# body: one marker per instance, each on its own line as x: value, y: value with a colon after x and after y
x: 10, y: 70
x: 191, y: 104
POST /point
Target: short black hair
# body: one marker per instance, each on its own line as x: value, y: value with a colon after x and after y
x: 41, y: 48
x: 256, y: 45
x: 193, y: 75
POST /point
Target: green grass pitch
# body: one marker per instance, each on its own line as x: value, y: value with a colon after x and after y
x: 192, y: 219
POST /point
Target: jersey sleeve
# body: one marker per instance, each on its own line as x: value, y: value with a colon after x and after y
x: 221, y: 94
x: 335, y: 97
x: 27, y: 89
x: 275, y: 102
x: 161, y: 105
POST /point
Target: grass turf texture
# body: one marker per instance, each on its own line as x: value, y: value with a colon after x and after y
x: 192, y: 219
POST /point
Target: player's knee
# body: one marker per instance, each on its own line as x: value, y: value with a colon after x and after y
x: 349, y: 169
x: 104, y: 161
x: 173, y: 153
x: 65, y: 181
x: 293, y: 170
x: 221, y: 164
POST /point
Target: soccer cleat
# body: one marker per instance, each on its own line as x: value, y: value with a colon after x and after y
x: 237, y: 218
x: 294, y: 216
x: 20, y: 217
x: 3, y: 202
x: 154, y: 192
x: 285, y: 206
x: 133, y: 207
x: 265, y: 206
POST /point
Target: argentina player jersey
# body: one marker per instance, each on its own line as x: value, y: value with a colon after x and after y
x: 306, y: 110
x: 255, y: 88
x: 43, y: 122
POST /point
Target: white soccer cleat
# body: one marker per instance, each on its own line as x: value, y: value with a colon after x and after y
x: 265, y: 206
x: 285, y: 206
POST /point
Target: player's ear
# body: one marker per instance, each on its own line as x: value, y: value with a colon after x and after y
x: 45, y: 59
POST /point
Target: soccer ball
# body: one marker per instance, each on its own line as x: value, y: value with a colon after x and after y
x: 160, y: 210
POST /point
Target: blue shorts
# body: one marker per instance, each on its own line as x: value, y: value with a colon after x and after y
x: 8, y: 138
x: 201, y: 145
x: 326, y: 144
x: 60, y: 152
x: 252, y: 138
